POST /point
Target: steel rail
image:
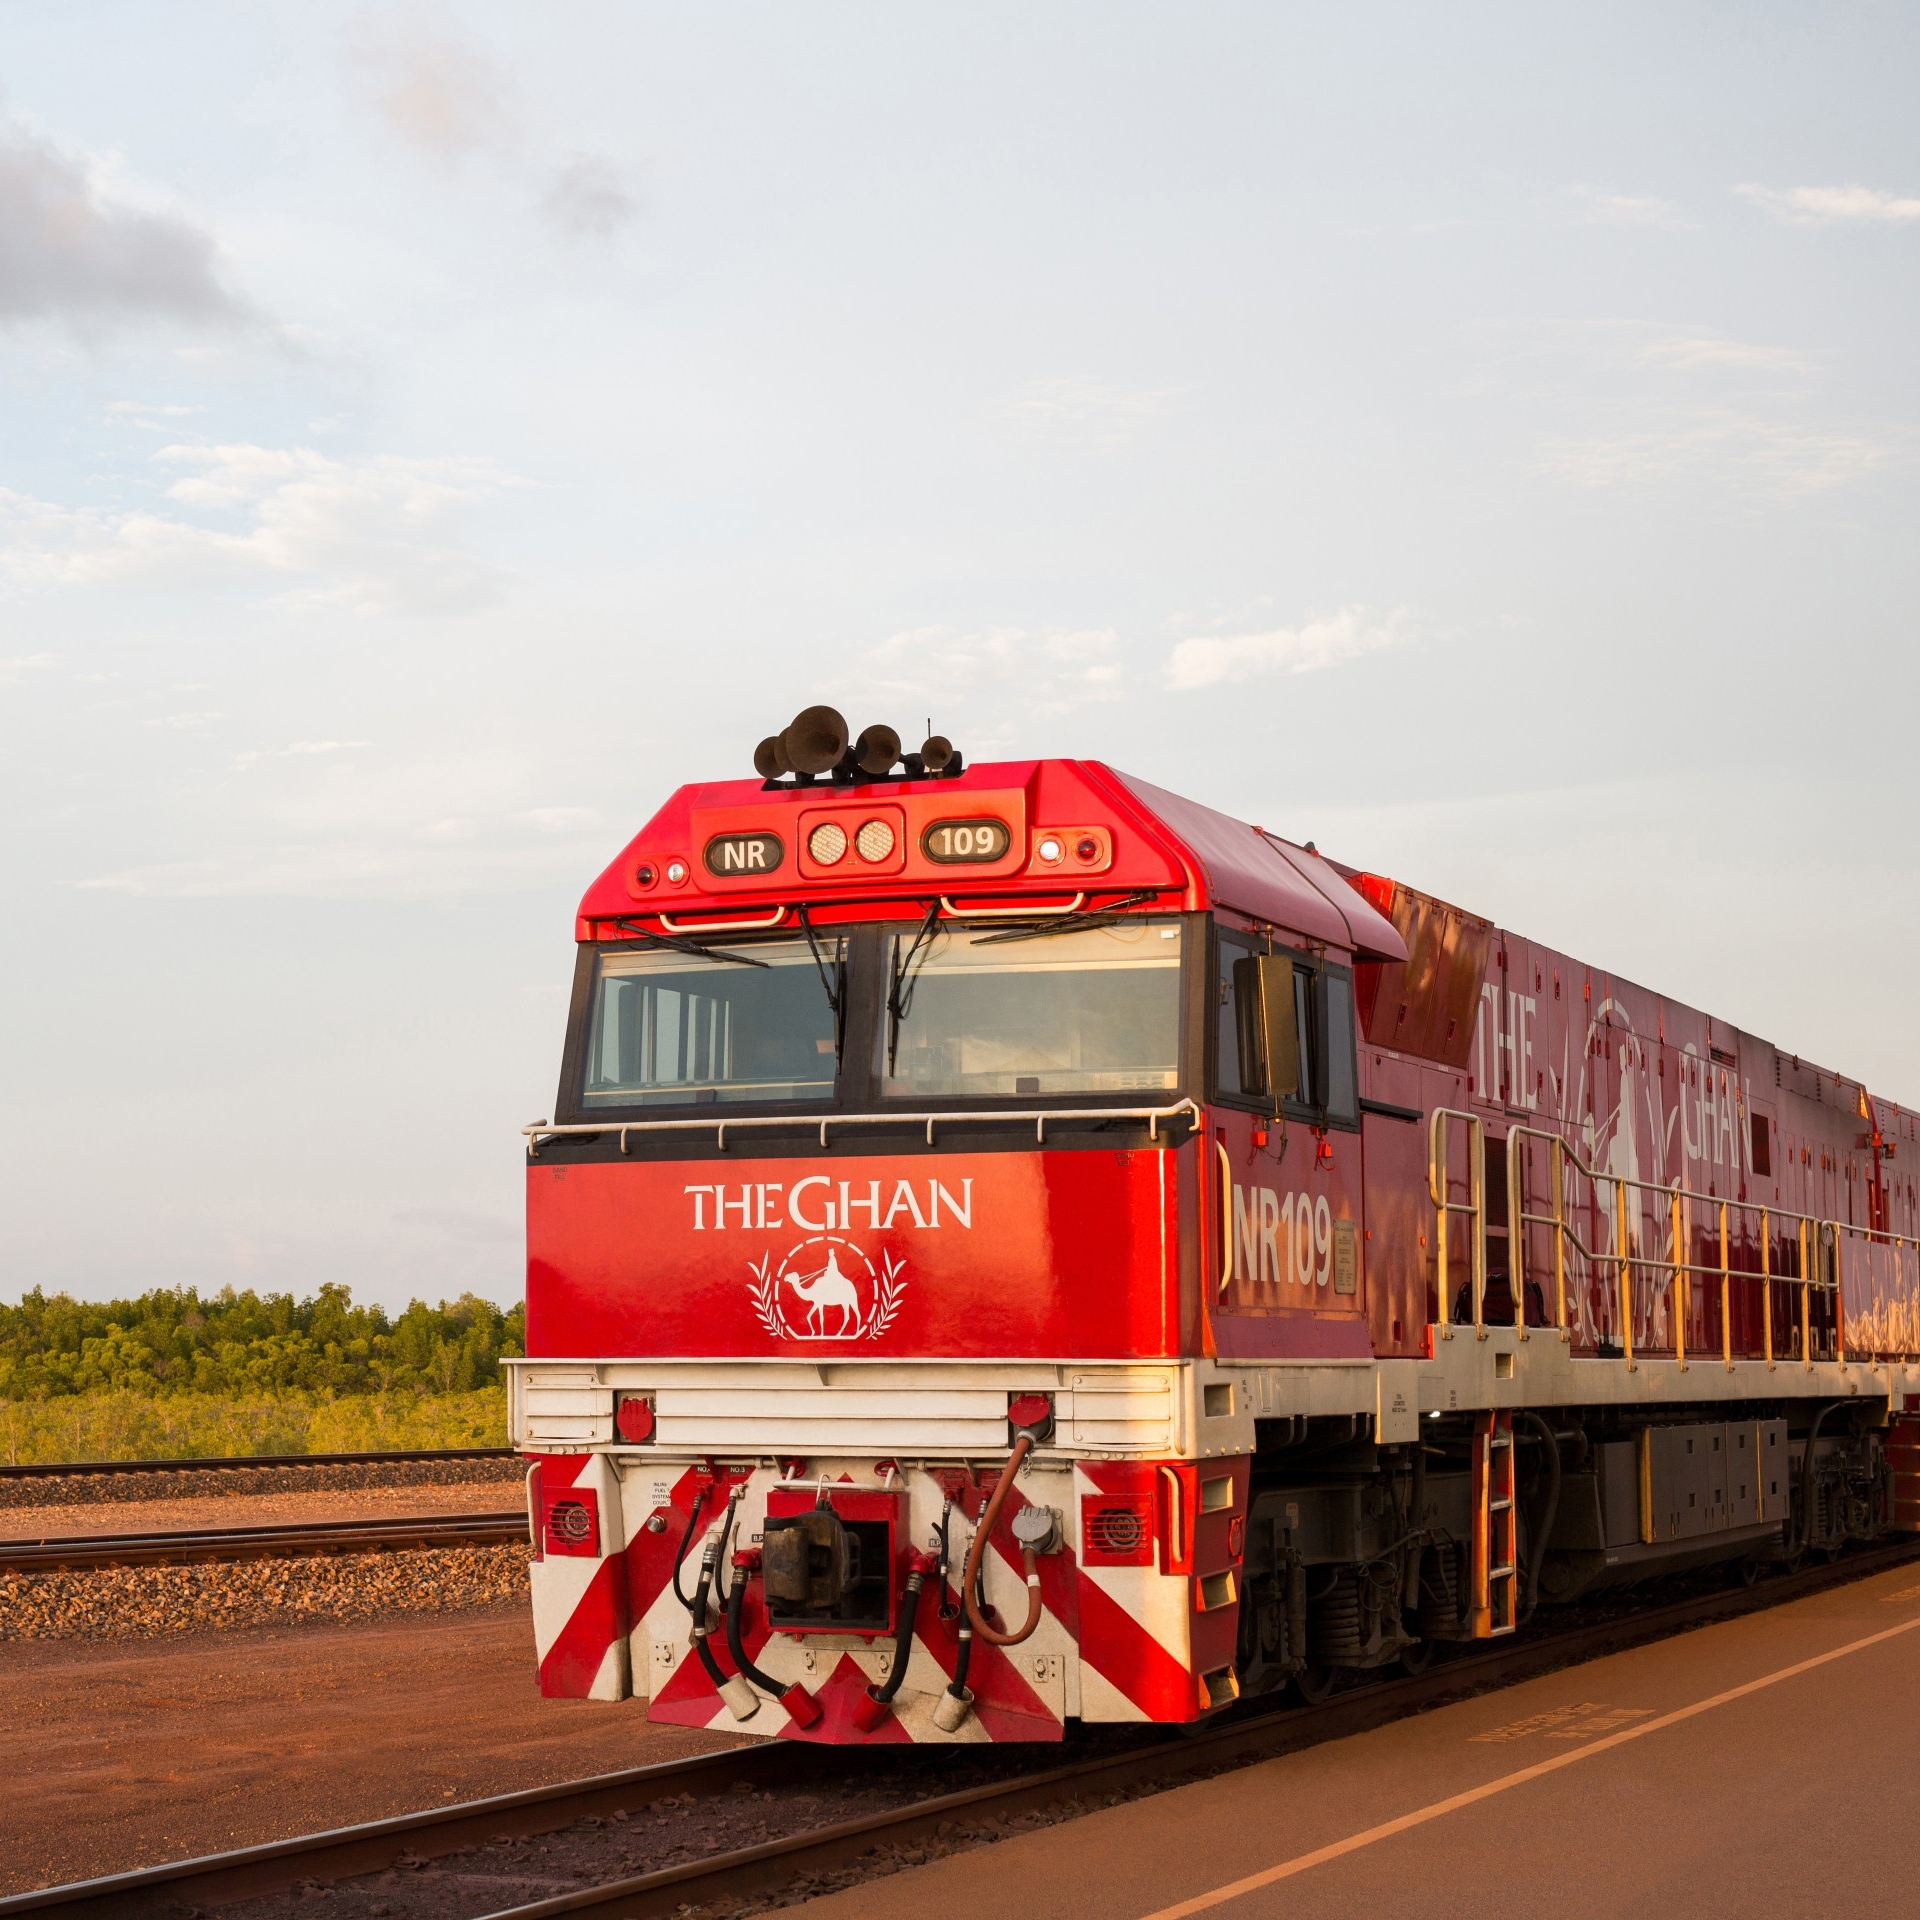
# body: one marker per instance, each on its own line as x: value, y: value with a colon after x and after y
x: 223, y: 1463
x: 224, y: 1878
x: 300, y: 1540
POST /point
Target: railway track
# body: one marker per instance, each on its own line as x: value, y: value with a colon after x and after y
x: 1038, y: 1780
x: 222, y: 1463
x: 298, y: 1541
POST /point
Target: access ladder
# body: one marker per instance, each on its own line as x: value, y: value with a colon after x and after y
x: 1496, y: 1528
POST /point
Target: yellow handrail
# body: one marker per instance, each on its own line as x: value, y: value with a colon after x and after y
x: 1438, y: 1161
x: 1819, y: 1242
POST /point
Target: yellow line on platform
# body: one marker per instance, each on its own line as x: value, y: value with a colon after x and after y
x: 1253, y: 1882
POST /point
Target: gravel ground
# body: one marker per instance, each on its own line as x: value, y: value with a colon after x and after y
x: 248, y: 1508
x: 213, y: 1480
x: 148, y: 1603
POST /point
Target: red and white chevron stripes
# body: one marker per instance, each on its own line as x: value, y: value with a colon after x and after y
x: 1139, y: 1604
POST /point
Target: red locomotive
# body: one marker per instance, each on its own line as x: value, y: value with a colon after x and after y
x: 1015, y: 1245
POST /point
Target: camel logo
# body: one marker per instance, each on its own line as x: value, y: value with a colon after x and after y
x: 827, y: 1289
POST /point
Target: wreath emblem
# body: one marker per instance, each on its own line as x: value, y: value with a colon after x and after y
x: 826, y: 1288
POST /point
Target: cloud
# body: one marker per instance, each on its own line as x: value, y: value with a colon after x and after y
x: 561, y: 819
x: 375, y: 536
x: 1833, y: 206
x: 452, y: 856
x: 588, y: 200
x: 23, y: 664
x: 1762, y: 457
x: 1632, y: 210
x: 1688, y: 352
x: 150, y: 418
x: 295, y: 750
x: 936, y: 671
x: 431, y: 82
x: 1209, y: 660
x: 1075, y: 410
x: 70, y: 252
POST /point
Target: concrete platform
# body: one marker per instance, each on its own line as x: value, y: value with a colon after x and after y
x: 1766, y: 1767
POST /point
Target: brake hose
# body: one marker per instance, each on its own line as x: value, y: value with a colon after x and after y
x: 686, y: 1539
x: 977, y: 1549
x: 736, y: 1609
x: 737, y: 1687
x: 871, y: 1711
x: 709, y: 1557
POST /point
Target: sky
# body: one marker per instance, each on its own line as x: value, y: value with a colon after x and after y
x: 1480, y: 440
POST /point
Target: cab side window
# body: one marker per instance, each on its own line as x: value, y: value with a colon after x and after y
x: 1251, y: 994
x: 1230, y: 1078
x: 1340, y: 1094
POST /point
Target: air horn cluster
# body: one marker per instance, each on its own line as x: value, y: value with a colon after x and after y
x: 818, y: 743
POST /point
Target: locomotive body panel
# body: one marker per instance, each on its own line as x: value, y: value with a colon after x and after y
x: 860, y: 1255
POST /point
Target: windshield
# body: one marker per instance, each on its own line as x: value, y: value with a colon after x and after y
x: 670, y: 1027
x: 1091, y: 1010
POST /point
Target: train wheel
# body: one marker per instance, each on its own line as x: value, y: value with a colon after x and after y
x: 1418, y: 1658
x: 1313, y: 1683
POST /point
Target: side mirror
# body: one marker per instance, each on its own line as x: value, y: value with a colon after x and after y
x: 1269, y: 1039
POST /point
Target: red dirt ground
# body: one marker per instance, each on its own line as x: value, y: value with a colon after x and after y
x: 125, y: 1755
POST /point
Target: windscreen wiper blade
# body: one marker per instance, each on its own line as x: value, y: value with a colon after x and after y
x: 834, y: 986
x: 1109, y: 915
x: 900, y: 990
x: 681, y: 945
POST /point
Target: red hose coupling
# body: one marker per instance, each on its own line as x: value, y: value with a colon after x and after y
x: 868, y: 1713
x: 921, y: 1562
x: 802, y: 1708
x: 746, y: 1560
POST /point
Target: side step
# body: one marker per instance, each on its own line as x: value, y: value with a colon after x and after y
x: 1496, y: 1528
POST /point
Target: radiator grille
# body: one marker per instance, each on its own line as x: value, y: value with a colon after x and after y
x: 1117, y: 1532
x: 572, y: 1527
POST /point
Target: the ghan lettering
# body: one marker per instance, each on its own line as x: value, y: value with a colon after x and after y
x: 1504, y: 1053
x: 815, y: 1206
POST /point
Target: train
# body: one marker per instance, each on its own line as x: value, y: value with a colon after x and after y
x: 1016, y: 1246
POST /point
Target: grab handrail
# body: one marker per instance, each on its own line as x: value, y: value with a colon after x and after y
x: 1818, y: 1238
x: 541, y: 1130
x: 1474, y: 1206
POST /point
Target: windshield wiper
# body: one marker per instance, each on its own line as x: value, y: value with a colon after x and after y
x: 680, y: 945
x: 1109, y: 915
x: 900, y: 992
x: 835, y: 987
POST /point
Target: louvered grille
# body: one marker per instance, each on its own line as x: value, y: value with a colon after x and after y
x: 1117, y: 1533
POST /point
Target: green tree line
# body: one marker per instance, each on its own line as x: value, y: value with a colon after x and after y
x: 173, y: 1342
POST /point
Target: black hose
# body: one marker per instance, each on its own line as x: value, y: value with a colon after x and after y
x: 736, y: 1607
x: 1803, y: 1536
x: 902, y: 1643
x: 947, y: 1610
x: 699, y: 1611
x: 962, y: 1660
x: 693, y: 1520
x: 1538, y: 1558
